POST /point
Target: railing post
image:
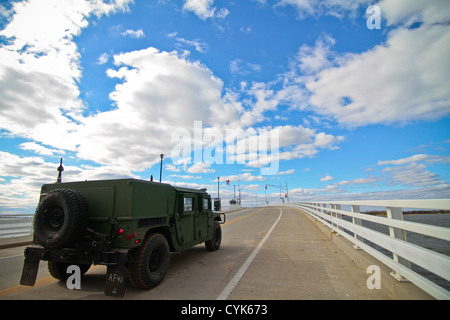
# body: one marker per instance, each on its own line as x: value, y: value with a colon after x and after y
x: 357, y: 221
x: 324, y: 211
x: 332, y: 215
x: 397, y: 213
x: 336, y: 215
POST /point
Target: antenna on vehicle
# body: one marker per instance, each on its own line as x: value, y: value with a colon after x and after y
x: 60, y: 170
x: 160, y: 167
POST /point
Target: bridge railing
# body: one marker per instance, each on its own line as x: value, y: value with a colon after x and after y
x: 391, y: 248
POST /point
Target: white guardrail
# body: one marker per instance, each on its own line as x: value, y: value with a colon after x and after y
x: 349, y: 224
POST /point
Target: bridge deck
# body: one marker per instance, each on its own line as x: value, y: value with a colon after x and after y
x: 299, y: 261
x: 296, y: 260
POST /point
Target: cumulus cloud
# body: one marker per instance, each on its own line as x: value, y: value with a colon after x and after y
x: 237, y: 66
x: 137, y: 34
x: 104, y: 57
x: 247, y: 176
x: 24, y: 177
x: 198, y: 45
x: 33, y: 146
x: 159, y: 92
x: 356, y: 181
x: 408, y: 12
x: 43, y: 61
x: 403, y: 80
x: 337, y: 8
x: 326, y: 178
x: 415, y: 175
x: 204, y: 9
x: 269, y: 145
x: 200, y: 167
x: 399, y: 81
x: 416, y: 158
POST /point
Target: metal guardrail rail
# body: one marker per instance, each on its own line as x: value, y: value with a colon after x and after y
x: 402, y: 252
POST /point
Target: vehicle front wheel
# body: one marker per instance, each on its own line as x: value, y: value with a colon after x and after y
x: 214, y: 243
x: 149, y: 262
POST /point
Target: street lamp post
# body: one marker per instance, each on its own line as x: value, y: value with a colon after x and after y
x: 218, y: 188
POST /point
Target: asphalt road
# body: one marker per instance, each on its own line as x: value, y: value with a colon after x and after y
x: 266, y: 253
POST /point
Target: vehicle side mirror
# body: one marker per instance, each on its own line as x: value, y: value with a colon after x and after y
x: 217, y: 205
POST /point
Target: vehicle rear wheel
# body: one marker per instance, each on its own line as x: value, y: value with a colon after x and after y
x: 149, y: 262
x: 58, y: 270
x: 214, y: 243
x: 60, y: 219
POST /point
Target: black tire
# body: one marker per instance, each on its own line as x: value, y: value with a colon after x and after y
x: 149, y: 262
x: 214, y: 243
x: 60, y: 219
x: 58, y: 270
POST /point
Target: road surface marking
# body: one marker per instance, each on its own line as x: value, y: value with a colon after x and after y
x: 242, y: 218
x: 233, y: 282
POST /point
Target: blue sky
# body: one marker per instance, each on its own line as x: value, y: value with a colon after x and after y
x: 357, y: 112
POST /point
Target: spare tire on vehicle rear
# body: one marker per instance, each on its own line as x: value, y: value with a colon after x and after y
x: 60, y: 219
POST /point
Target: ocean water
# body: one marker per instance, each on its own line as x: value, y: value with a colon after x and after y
x: 15, y: 226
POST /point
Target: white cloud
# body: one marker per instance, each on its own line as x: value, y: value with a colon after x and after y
x: 172, y: 168
x: 404, y: 80
x: 428, y: 192
x: 199, y: 46
x: 25, y: 176
x: 310, y: 60
x: 137, y: 34
x: 414, y: 175
x: 103, y: 58
x: 160, y: 92
x: 409, y: 11
x: 326, y: 178
x: 185, y: 176
x: 247, y: 176
x: 290, y: 171
x: 200, y: 167
x: 416, y: 158
x: 237, y: 66
x: 252, y: 187
x: 41, y: 59
x: 33, y: 146
x: 368, y: 180
x: 204, y: 9
x: 399, y: 81
x: 337, y: 8
x: 269, y: 145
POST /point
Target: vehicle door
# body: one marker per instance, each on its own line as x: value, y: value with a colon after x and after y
x: 185, y: 218
x: 203, y: 215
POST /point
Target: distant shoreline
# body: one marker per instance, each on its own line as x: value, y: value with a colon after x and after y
x: 383, y: 212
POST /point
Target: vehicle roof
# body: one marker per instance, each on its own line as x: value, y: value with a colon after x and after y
x: 189, y: 190
x: 178, y: 189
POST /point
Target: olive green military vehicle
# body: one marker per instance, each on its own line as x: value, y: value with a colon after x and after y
x: 129, y: 225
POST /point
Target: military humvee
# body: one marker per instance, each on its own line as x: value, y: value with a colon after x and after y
x: 128, y: 225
